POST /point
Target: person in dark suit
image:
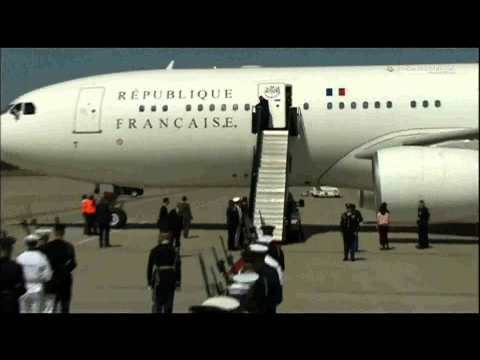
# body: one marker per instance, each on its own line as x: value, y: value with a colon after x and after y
x: 12, y: 282
x: 163, y: 216
x: 233, y: 219
x: 104, y: 217
x: 61, y: 256
x: 174, y: 227
x: 348, y: 225
x: 422, y: 222
x: 185, y: 213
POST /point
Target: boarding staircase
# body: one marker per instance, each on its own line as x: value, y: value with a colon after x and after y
x: 271, y: 180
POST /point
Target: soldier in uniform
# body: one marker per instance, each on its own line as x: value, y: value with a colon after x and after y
x: 161, y: 275
x: 348, y: 225
x: 233, y: 220
x: 266, y: 293
x: 12, y: 283
x: 218, y: 304
x: 422, y: 222
x: 36, y: 271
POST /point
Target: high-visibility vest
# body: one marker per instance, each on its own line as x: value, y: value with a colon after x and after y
x: 84, y: 206
x: 90, y: 207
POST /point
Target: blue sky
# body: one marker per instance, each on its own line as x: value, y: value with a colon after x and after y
x: 25, y: 69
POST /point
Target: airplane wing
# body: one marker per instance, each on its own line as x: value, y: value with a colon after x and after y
x: 425, y: 140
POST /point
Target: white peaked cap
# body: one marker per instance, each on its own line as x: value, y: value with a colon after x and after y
x: 258, y: 248
x: 246, y: 278
x: 236, y: 199
x: 238, y: 289
x: 31, y: 238
x: 43, y: 231
x: 265, y: 239
x: 222, y: 302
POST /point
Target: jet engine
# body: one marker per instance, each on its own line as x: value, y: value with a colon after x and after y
x: 445, y: 178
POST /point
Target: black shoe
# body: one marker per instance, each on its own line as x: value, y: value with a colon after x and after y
x: 345, y: 259
x: 353, y: 259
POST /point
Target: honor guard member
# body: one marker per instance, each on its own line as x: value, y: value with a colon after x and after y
x: 61, y: 256
x: 12, y: 283
x: 266, y: 293
x: 242, y: 287
x: 422, y: 222
x: 273, y: 255
x: 163, y: 216
x: 275, y: 247
x: 359, y: 216
x: 44, y: 235
x: 232, y: 224
x: 36, y: 272
x: 161, y: 275
x: 348, y: 226
x: 218, y: 304
x: 238, y: 230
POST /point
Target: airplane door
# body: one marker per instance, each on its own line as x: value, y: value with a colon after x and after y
x: 279, y: 100
x: 89, y: 111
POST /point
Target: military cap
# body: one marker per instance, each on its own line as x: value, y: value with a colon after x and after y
x: 258, y: 248
x: 246, y: 278
x: 217, y: 304
x: 31, y: 238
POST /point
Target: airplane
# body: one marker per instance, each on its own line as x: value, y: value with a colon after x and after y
x: 397, y: 133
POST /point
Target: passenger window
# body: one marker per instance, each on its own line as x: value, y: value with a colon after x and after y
x: 29, y: 109
x: 389, y: 104
x: 154, y: 108
x: 329, y: 106
x: 247, y: 107
x: 189, y: 107
x: 438, y: 103
x: 224, y: 107
x: 425, y: 103
x: 306, y: 106
x: 165, y: 108
x: 235, y: 107
x: 212, y: 107
x: 365, y: 104
x: 141, y: 108
x: 200, y: 107
x: 353, y: 105
x: 341, y: 105
x: 377, y: 104
x: 413, y: 104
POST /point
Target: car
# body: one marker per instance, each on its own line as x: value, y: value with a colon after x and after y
x: 324, y: 192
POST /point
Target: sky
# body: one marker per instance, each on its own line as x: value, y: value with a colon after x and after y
x: 26, y: 69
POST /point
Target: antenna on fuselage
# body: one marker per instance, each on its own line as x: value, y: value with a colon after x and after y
x: 170, y: 65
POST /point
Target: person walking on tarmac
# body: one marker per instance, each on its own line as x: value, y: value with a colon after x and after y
x: 233, y: 221
x: 12, y: 282
x: 422, y: 223
x: 175, y: 227
x: 161, y: 275
x: 383, y: 223
x: 348, y: 225
x: 163, y: 216
x: 61, y: 256
x: 36, y: 271
x: 104, y: 217
x: 185, y: 213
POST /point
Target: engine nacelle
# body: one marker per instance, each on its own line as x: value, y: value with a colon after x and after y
x: 447, y: 179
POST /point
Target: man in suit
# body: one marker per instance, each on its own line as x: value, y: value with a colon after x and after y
x: 104, y: 217
x: 12, y: 282
x: 61, y: 256
x: 233, y: 220
x: 422, y: 222
x: 163, y: 216
x: 185, y: 213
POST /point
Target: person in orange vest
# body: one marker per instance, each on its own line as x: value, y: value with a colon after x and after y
x: 84, y: 214
x: 90, y: 211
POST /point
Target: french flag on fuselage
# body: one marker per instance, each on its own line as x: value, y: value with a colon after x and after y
x: 341, y: 92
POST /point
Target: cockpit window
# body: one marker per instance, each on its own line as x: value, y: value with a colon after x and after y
x: 16, y: 109
x: 29, y: 109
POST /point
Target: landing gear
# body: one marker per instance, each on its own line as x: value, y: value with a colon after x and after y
x: 119, y: 218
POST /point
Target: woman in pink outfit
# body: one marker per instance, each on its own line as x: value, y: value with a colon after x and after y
x: 383, y: 222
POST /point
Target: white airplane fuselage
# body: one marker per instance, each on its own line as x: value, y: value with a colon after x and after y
x: 174, y: 147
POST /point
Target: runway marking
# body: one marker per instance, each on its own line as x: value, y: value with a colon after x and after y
x: 92, y: 238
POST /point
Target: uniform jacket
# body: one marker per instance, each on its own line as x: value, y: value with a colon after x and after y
x: 233, y: 217
x: 12, y: 285
x: 36, y: 269
x: 266, y: 291
x: 161, y: 261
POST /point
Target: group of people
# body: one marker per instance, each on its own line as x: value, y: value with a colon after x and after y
x: 351, y: 220
x: 40, y: 279
x: 98, y: 217
x: 257, y: 279
x: 238, y: 222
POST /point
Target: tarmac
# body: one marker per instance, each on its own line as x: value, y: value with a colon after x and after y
x: 442, y: 279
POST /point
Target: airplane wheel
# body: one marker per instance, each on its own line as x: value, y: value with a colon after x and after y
x: 119, y: 219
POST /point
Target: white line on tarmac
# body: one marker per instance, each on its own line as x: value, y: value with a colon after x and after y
x: 91, y: 238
